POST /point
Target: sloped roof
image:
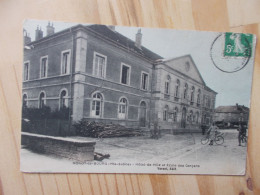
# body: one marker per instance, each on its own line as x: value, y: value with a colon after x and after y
x: 232, y: 109
x: 209, y: 89
x: 124, y: 41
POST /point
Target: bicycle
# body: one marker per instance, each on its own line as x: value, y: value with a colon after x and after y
x: 218, y: 139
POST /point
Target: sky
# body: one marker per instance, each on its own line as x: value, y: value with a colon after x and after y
x: 232, y: 88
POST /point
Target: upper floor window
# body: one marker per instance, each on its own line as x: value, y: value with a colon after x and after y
x: 97, y: 101
x: 26, y: 71
x: 99, y: 68
x: 185, y: 91
x: 65, y: 62
x: 44, y: 67
x: 144, y: 82
x: 167, y: 85
x: 122, y: 108
x: 192, y: 94
x: 63, y: 99
x: 25, y: 100
x: 125, y: 74
x: 209, y: 102
x: 177, y: 88
x: 42, y: 100
x: 198, y: 97
x: 213, y: 103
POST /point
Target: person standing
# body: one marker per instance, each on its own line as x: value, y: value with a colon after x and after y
x: 241, y: 132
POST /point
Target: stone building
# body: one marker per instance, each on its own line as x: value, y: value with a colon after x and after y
x: 102, y: 75
x: 229, y: 116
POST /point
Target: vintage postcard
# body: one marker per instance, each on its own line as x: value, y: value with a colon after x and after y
x: 115, y: 99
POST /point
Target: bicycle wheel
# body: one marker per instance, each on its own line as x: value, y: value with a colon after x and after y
x: 204, y: 140
x: 244, y: 141
x: 219, y: 140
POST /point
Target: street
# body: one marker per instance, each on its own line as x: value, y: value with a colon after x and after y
x: 181, y: 149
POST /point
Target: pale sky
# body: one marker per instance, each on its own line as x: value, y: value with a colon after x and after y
x: 232, y: 88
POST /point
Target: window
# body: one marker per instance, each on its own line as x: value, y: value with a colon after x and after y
x: 197, y: 117
x: 65, y: 62
x: 185, y: 91
x: 213, y: 103
x: 44, y: 67
x: 165, y: 113
x: 206, y: 101
x: 191, y: 116
x: 122, y: 108
x: 198, y: 97
x: 192, y: 94
x: 26, y: 71
x: 177, y: 88
x: 63, y: 99
x: 25, y: 100
x: 96, y: 110
x: 125, y: 74
x: 42, y: 100
x: 209, y: 102
x: 175, y: 114
x: 99, y: 68
x: 167, y: 85
x: 144, y: 82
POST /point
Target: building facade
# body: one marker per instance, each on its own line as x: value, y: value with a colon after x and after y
x: 228, y: 116
x: 101, y: 75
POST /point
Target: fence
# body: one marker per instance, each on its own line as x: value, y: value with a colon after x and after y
x: 52, y: 127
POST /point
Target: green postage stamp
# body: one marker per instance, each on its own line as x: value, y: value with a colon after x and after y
x: 238, y: 45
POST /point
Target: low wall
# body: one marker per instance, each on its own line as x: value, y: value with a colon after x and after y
x: 64, y: 147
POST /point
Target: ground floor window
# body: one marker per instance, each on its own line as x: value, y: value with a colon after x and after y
x: 42, y: 100
x: 96, y: 110
x: 165, y: 113
x: 122, y: 108
x: 63, y: 99
x: 175, y: 113
x: 25, y: 100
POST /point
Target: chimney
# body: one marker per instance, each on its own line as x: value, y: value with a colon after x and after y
x: 138, y: 39
x: 111, y: 27
x: 26, y: 38
x: 38, y: 33
x: 50, y: 29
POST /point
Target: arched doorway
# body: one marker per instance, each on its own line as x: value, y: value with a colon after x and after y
x: 142, y: 114
x: 183, y: 118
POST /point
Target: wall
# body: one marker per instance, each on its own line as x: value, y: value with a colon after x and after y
x: 76, y: 150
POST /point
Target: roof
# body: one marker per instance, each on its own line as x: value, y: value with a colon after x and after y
x: 124, y: 41
x: 232, y: 109
x: 209, y: 89
x: 105, y: 32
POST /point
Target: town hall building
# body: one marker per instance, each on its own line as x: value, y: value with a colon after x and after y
x: 101, y: 75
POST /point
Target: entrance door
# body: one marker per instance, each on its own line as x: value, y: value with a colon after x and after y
x: 142, y: 114
x: 183, y: 118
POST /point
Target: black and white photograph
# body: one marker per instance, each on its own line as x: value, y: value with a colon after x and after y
x: 117, y: 99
